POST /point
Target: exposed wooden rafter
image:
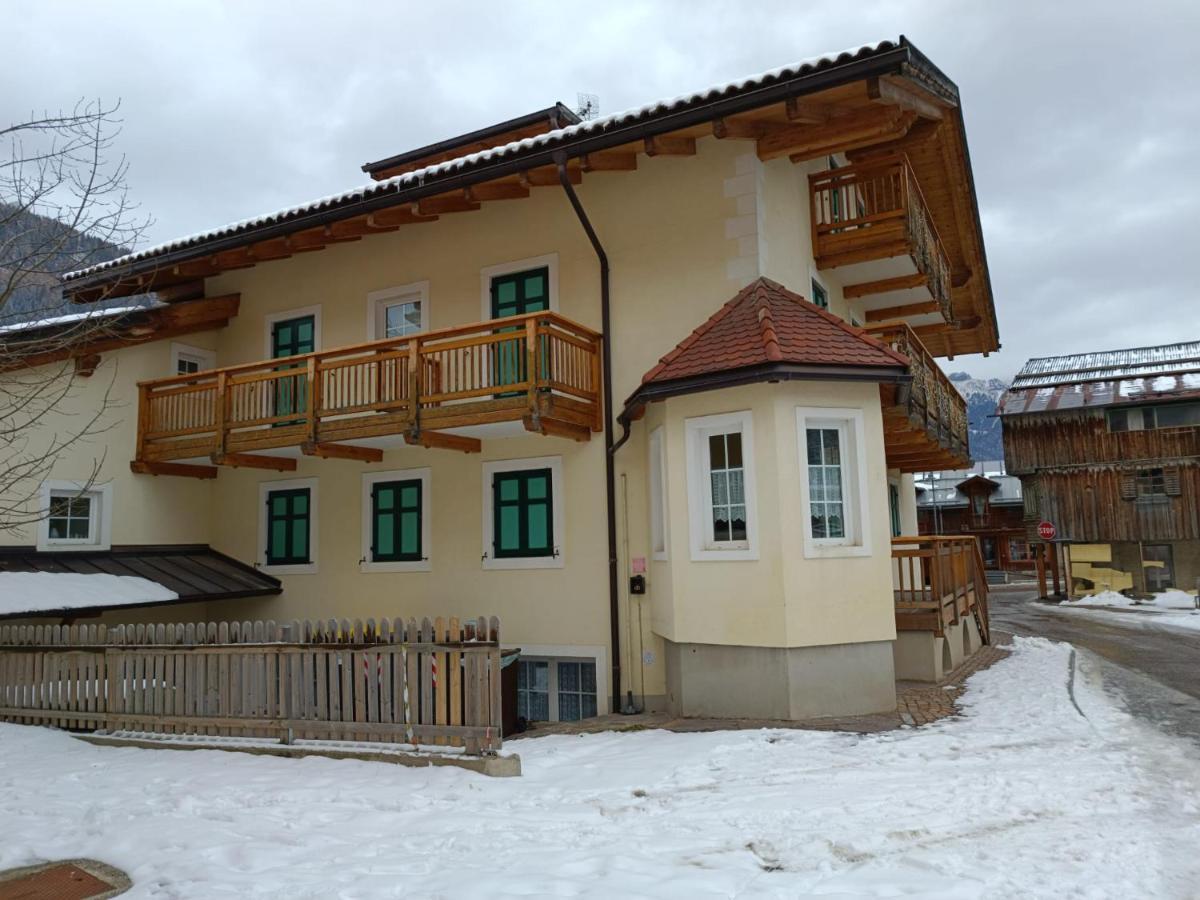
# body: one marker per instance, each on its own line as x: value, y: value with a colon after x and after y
x: 670, y: 145
x: 443, y: 441
x: 557, y: 428
x: 341, y: 451
x: 901, y: 312
x: 254, y: 461
x: 611, y: 161
x: 186, y: 470
x: 903, y: 93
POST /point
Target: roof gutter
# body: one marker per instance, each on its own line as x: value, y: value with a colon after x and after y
x: 878, y: 63
x: 610, y: 479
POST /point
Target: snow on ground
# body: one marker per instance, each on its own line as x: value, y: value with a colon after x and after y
x: 27, y: 592
x: 1173, y: 609
x: 1022, y: 796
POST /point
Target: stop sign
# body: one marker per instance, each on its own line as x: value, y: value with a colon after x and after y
x: 1047, y: 531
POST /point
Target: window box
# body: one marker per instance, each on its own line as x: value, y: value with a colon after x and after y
x: 396, y: 527
x: 721, y: 494
x: 522, y: 514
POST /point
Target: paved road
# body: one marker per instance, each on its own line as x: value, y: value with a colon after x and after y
x: 1155, y: 670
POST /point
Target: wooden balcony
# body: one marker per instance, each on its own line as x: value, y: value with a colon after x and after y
x: 925, y: 422
x: 870, y: 221
x: 445, y: 388
x: 938, y: 581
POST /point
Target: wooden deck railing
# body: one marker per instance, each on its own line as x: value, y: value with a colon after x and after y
x: 397, y: 682
x: 933, y: 400
x: 938, y: 581
x: 876, y: 209
x: 540, y: 365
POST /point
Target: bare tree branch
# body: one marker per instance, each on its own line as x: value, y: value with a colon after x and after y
x: 64, y: 205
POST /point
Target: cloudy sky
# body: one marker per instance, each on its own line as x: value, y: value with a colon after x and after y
x: 1083, y: 118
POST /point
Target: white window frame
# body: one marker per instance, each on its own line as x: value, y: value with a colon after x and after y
x: 554, y: 653
x: 486, y: 274
x: 270, y: 319
x: 369, y: 480
x: 207, y: 359
x: 656, y: 489
x: 698, y: 430
x: 378, y: 301
x: 558, y: 502
x: 100, y: 514
x: 850, y: 424
x: 314, y: 520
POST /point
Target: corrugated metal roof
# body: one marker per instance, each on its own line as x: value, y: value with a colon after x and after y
x: 550, y: 138
x: 1096, y: 394
x: 1110, y: 365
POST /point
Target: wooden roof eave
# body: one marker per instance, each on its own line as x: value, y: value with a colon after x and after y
x: 142, y: 274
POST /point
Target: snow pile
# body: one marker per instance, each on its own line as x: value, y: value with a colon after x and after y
x: 1174, y: 600
x: 36, y: 592
x: 1022, y: 796
x: 1104, y: 598
x: 1173, y: 609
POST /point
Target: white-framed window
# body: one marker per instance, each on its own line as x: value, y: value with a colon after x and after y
x: 396, y: 513
x: 557, y: 689
x: 833, y: 472
x: 721, y: 492
x: 398, y: 311
x: 547, y: 261
x: 75, y: 516
x: 187, y: 360
x: 657, y: 490
x: 523, y: 518
x: 288, y: 526
x: 304, y: 338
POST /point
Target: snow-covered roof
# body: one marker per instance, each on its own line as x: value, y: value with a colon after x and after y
x: 560, y: 136
x: 1111, y: 365
x: 36, y: 593
x: 70, y: 318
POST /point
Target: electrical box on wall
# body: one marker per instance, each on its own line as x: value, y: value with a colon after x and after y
x: 637, y: 584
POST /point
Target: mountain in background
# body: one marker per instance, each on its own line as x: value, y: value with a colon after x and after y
x: 24, y: 236
x: 982, y: 395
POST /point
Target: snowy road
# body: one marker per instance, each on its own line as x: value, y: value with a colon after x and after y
x: 1152, y: 667
x: 1022, y: 796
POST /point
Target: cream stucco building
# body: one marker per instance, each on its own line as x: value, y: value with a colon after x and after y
x: 674, y: 471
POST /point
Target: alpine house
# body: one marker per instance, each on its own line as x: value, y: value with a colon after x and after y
x: 649, y: 387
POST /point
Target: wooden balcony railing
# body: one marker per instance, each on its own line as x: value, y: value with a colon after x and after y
x: 933, y: 403
x: 539, y: 368
x: 876, y: 210
x: 939, y: 581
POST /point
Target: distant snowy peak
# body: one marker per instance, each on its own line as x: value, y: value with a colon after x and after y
x: 969, y: 387
x: 982, y: 395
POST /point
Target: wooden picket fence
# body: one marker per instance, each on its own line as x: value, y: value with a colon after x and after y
x: 433, y: 683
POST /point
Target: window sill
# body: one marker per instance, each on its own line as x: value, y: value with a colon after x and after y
x: 835, y: 551
x: 738, y: 554
x: 524, y: 562
x: 416, y: 565
x: 297, y: 569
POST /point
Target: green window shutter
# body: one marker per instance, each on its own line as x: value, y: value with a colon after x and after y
x: 289, y: 524
x: 523, y: 514
x: 396, y: 517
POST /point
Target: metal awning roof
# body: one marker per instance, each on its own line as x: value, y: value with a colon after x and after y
x: 195, y: 572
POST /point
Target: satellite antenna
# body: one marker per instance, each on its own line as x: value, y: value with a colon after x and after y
x: 587, y: 106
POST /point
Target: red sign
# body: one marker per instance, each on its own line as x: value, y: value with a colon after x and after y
x: 1047, y: 531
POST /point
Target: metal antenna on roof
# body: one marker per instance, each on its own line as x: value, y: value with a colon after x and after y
x: 587, y: 106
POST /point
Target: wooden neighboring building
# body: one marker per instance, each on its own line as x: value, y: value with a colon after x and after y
x: 1107, y: 446
x: 983, y: 502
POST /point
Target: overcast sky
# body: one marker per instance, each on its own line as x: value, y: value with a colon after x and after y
x: 1083, y: 118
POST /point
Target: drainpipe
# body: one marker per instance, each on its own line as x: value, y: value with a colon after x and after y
x: 610, y: 480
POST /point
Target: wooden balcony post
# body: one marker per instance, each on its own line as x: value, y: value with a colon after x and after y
x: 532, y: 368
x: 221, y: 401
x: 143, y: 419
x: 598, y: 384
x: 313, y: 406
x: 414, y: 380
